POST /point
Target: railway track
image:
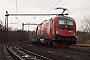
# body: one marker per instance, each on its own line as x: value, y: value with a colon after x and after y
x: 78, y: 48
x: 19, y: 53
x: 73, y: 53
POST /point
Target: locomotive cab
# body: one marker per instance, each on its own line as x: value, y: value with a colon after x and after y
x: 64, y: 30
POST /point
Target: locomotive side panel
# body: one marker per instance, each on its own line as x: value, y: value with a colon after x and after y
x: 46, y: 30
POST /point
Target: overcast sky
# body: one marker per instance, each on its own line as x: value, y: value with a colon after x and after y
x: 77, y: 9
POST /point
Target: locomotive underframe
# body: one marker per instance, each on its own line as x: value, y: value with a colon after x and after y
x: 57, y: 40
x: 64, y: 39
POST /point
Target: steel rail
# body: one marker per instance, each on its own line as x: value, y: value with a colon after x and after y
x: 32, y: 53
x: 19, y: 57
x: 16, y: 57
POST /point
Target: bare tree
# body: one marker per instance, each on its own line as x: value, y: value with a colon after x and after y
x: 85, y: 24
x: 1, y: 24
x: 85, y: 27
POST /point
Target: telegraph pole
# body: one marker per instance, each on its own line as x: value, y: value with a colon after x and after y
x: 6, y: 27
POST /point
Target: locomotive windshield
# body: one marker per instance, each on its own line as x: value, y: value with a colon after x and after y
x: 66, y: 24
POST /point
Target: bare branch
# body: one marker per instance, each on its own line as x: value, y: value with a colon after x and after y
x: 85, y: 24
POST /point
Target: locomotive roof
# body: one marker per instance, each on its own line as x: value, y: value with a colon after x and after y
x: 60, y: 16
x: 63, y: 17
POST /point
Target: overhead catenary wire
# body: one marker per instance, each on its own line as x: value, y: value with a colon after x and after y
x: 16, y: 11
x: 42, y: 8
x: 16, y: 6
x: 52, y: 8
x: 82, y: 12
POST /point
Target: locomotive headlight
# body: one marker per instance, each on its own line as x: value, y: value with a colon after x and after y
x: 56, y: 31
x: 74, y: 33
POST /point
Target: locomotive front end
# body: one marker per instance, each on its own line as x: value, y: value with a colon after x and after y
x: 65, y: 30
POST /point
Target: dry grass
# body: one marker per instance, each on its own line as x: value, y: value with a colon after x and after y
x: 83, y: 44
x: 88, y: 42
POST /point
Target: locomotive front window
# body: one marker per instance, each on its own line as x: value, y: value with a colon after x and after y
x: 69, y: 22
x: 66, y: 24
x: 62, y: 21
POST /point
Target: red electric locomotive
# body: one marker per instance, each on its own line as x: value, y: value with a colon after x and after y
x: 58, y: 31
